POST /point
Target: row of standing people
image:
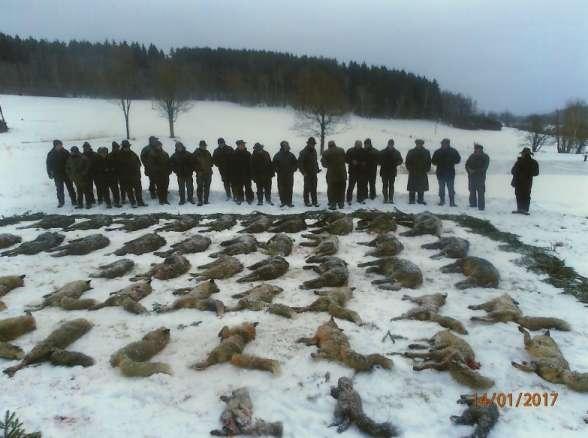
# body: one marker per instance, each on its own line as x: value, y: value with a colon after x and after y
x: 117, y: 172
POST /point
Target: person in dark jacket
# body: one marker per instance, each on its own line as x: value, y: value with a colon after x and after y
x: 222, y: 159
x: 372, y: 160
x: 445, y: 158
x: 390, y: 159
x: 105, y: 172
x: 240, y: 171
x: 356, y: 158
x: 182, y: 164
x: 285, y: 164
x: 56, y: 170
x: 159, y: 169
x: 333, y: 160
x: 78, y: 171
x: 262, y: 171
x: 203, y: 165
x: 115, y: 153
x: 476, y: 166
x: 130, y: 174
x: 418, y: 163
x: 523, y: 172
x: 147, y: 165
x: 91, y: 156
x: 308, y: 166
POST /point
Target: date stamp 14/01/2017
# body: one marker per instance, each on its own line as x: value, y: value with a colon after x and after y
x: 516, y: 399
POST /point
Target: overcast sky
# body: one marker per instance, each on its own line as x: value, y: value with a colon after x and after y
x: 522, y: 55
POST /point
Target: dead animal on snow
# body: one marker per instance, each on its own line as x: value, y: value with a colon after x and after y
x: 221, y: 268
x: 421, y: 224
x: 82, y: 246
x: 114, y: 269
x: 92, y: 223
x: 133, y: 359
x: 480, y: 272
x: 68, y: 297
x: 240, y: 245
x: 384, y: 245
x: 128, y: 298
x: 266, y: 269
x: 52, y: 221
x: 379, y: 223
x: 333, y: 301
x: 428, y: 310
x: 224, y: 222
x: 483, y: 416
x: 183, y: 223
x: 135, y: 223
x: 293, y: 224
x: 399, y: 273
x: 278, y: 245
x: 193, y: 244
x: 141, y: 245
x: 42, y: 242
x: 172, y: 267
x: 332, y: 272
x: 452, y: 247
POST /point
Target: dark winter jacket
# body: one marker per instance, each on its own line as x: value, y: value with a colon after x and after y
x: 159, y: 163
x: 372, y: 160
x: 261, y: 166
x: 56, y: 163
x: 445, y: 159
x: 115, y: 156
x: 357, y: 160
x: 129, y: 165
x: 78, y: 169
x: 390, y: 159
x: 182, y: 163
x: 92, y: 157
x: 145, y: 152
x: 334, y: 160
x: 285, y: 162
x: 240, y: 168
x: 523, y: 172
x: 104, y: 169
x: 418, y: 163
x: 476, y: 166
x: 308, y: 162
x: 203, y: 162
x: 222, y: 158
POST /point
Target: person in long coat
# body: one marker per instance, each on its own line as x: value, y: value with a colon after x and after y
x: 130, y: 174
x: 285, y: 164
x: 159, y: 169
x: 445, y: 158
x: 523, y: 172
x: 308, y: 166
x: 56, y: 170
x: 240, y: 171
x: 182, y: 164
x: 418, y: 163
x: 333, y: 160
x: 372, y: 161
x: 105, y: 173
x: 476, y: 166
x: 145, y: 153
x: 390, y: 159
x: 262, y: 171
x: 356, y: 158
x: 91, y: 156
x: 78, y: 171
x: 203, y: 163
x: 222, y: 159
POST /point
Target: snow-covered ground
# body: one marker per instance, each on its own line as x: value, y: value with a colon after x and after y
x: 98, y: 401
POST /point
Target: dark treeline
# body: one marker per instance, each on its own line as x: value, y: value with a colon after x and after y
x: 81, y: 68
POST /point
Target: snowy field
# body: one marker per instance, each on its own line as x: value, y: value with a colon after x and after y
x: 98, y: 401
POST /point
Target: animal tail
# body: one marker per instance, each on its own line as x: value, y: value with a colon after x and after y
x: 131, y: 368
x: 255, y: 363
x: 541, y: 322
x: 370, y: 427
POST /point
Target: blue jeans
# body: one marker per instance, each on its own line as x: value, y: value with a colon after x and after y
x: 446, y: 180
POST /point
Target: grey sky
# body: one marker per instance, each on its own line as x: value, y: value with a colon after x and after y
x: 524, y: 55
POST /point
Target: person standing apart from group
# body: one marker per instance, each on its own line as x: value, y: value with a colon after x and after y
x: 476, y: 166
x: 182, y: 163
x: 203, y: 164
x: 333, y: 160
x: 523, y: 172
x: 308, y: 166
x: 262, y: 172
x: 56, y: 170
x: 418, y: 164
x: 445, y: 158
x: 390, y: 159
x: 285, y: 164
x: 222, y: 160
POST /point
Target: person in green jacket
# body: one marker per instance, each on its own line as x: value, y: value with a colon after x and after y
x: 203, y: 162
x: 77, y: 169
x: 333, y: 160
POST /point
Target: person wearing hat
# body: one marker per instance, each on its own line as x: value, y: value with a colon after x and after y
x: 115, y: 154
x: 356, y: 158
x: 476, y: 166
x: 390, y: 159
x: 240, y: 170
x: 203, y: 165
x: 78, y: 169
x: 145, y: 159
x: 285, y: 164
x: 130, y: 174
x: 308, y: 166
x: 160, y: 169
x: 262, y: 172
x: 333, y: 159
x: 445, y: 158
x: 523, y: 172
x: 222, y: 159
x: 91, y: 156
x: 372, y: 159
x: 56, y: 170
x: 182, y: 164
x: 105, y: 172
x: 418, y: 163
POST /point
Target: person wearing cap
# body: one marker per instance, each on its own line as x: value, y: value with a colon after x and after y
x: 390, y: 159
x: 78, y: 170
x: 222, y: 159
x: 56, y: 170
x: 523, y: 172
x: 182, y: 164
x: 262, y: 172
x: 372, y: 159
x: 285, y: 164
x: 356, y: 158
x: 476, y: 166
x: 145, y: 159
x: 240, y: 171
x: 333, y: 159
x: 160, y: 170
x: 91, y: 156
x: 130, y: 174
x: 203, y: 165
x: 418, y: 163
x: 445, y: 158
x: 104, y: 170
x: 115, y: 154
x: 309, y: 168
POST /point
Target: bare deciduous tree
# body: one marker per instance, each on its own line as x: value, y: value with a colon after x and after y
x: 537, y: 134
x: 572, y: 127
x: 123, y: 79
x: 171, y: 99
